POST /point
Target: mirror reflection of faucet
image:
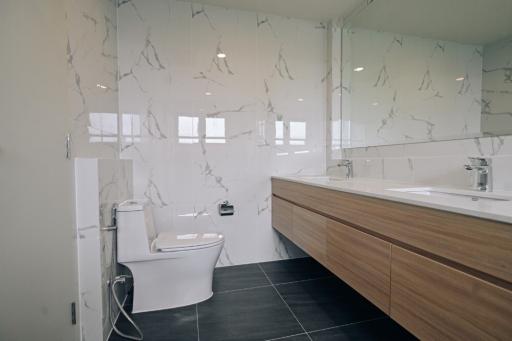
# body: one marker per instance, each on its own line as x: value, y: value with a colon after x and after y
x: 349, y: 165
x: 481, y: 173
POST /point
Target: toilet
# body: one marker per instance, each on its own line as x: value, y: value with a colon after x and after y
x: 169, y: 270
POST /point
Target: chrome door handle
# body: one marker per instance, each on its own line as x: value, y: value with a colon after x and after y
x: 68, y: 146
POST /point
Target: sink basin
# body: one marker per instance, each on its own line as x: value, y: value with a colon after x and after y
x: 453, y: 193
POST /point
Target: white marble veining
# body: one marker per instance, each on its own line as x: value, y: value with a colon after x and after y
x: 401, y: 88
x: 385, y: 189
x: 203, y: 129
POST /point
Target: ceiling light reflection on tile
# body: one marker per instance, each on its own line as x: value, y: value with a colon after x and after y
x: 459, y: 79
x: 208, y: 93
x: 221, y: 55
x: 359, y: 69
x: 301, y: 152
x: 300, y: 99
x: 281, y: 154
x: 101, y: 86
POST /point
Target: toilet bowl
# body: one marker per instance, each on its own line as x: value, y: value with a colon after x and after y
x: 169, y: 270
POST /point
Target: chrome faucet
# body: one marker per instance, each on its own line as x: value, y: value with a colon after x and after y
x: 481, y: 173
x: 349, y: 165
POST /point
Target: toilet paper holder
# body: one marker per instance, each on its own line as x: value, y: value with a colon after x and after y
x: 226, y: 208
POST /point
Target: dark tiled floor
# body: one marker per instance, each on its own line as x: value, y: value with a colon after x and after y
x: 293, y: 300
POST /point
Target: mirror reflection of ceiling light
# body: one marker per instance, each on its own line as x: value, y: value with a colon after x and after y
x: 459, y: 79
x: 359, y: 69
x: 221, y: 55
x: 208, y: 93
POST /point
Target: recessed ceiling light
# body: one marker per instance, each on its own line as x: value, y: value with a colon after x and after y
x: 300, y: 99
x: 459, y: 79
x: 221, y: 55
x: 359, y: 69
x: 208, y: 93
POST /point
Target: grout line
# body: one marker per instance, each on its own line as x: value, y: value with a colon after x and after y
x: 304, y: 280
x: 197, y: 322
x: 350, y: 324
x: 242, y: 289
x: 271, y: 284
x: 279, y: 294
x: 329, y: 328
x: 285, y: 337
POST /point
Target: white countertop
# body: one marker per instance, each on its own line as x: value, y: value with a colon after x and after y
x: 493, y: 210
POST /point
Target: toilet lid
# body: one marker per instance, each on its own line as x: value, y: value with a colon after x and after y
x: 168, y: 241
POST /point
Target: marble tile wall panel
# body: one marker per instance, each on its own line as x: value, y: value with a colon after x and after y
x: 114, y: 186
x: 90, y: 309
x: 201, y: 129
x: 408, y: 89
x: 497, y: 88
x: 91, y: 52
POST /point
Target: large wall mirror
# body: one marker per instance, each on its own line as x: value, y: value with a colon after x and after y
x: 426, y: 70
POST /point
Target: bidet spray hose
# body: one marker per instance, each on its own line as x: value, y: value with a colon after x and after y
x: 140, y: 337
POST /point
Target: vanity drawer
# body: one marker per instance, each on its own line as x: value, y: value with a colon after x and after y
x: 479, y: 244
x: 361, y: 260
x: 282, y: 216
x: 437, y: 302
x: 309, y: 232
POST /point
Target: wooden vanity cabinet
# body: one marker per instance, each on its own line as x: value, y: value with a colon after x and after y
x: 437, y: 302
x: 441, y: 275
x: 310, y: 233
x: 282, y: 216
x: 361, y: 260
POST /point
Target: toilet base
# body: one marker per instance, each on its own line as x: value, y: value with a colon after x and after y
x: 174, y: 282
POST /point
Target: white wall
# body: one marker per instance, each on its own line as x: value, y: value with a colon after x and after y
x: 37, y: 239
x: 167, y: 63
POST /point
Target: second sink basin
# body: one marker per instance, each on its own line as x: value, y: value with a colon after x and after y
x: 451, y: 193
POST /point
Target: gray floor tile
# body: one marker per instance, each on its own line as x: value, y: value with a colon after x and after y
x: 254, y: 314
x: 325, y: 303
x: 377, y: 330
x: 291, y: 270
x: 238, y: 277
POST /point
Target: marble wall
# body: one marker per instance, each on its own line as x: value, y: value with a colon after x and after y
x: 402, y: 89
x: 91, y: 54
x: 203, y: 129
x: 99, y: 183
x: 433, y: 163
x: 497, y: 88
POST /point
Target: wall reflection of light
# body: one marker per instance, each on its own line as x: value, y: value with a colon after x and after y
x: 188, y: 129
x: 102, y: 127
x: 215, y: 130
x: 131, y: 128
x: 279, y: 132
x: 297, y: 133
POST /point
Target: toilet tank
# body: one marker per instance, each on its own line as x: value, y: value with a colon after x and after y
x: 135, y: 230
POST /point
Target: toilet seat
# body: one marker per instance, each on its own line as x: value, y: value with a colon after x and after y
x: 171, y: 242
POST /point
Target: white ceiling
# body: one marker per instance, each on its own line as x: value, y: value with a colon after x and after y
x: 305, y: 9
x: 463, y: 21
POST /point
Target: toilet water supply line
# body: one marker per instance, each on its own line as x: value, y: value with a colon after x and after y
x: 118, y: 280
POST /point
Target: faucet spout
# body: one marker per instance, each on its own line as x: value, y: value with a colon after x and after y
x: 348, y: 164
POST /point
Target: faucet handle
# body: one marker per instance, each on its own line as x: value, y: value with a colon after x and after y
x: 479, y: 161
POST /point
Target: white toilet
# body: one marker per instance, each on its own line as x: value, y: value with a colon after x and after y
x: 169, y: 270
